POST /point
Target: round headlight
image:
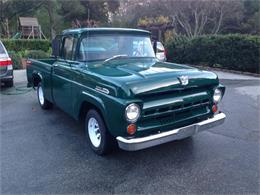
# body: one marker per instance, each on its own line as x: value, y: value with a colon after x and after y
x: 217, y: 96
x: 132, y: 112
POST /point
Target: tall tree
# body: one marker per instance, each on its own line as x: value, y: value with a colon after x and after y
x: 60, y: 12
x: 99, y: 10
x: 189, y: 17
x: 51, y: 7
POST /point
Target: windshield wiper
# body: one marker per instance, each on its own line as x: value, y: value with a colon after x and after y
x: 115, y: 57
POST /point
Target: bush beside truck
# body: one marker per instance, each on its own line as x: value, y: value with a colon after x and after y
x: 18, y: 45
x: 234, y: 52
x: 20, y: 49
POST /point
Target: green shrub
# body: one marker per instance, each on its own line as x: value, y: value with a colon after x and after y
x: 236, y: 52
x: 25, y: 44
x: 16, y: 59
x: 35, y: 54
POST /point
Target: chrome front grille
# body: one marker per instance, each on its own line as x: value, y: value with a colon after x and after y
x: 176, y: 109
x: 162, y: 112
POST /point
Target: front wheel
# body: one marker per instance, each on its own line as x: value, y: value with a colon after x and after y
x: 45, y: 104
x: 98, y: 137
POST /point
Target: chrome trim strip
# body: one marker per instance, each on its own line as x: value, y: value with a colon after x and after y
x: 5, y: 77
x: 175, y: 134
x: 102, y: 89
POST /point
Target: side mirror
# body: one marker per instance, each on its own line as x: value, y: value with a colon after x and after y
x: 55, y: 44
x: 155, y: 46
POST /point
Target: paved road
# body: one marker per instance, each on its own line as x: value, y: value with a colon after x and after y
x: 46, y: 152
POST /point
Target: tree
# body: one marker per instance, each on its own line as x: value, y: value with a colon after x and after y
x: 51, y: 7
x: 99, y: 10
x: 251, y: 17
x: 194, y: 17
x: 60, y: 13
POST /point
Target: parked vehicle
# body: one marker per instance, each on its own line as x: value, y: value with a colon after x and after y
x: 111, y: 79
x: 160, y: 52
x: 6, y: 67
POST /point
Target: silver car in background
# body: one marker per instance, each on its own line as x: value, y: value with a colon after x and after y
x: 160, y: 52
x: 6, y: 67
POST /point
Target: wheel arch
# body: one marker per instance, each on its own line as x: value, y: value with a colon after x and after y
x: 85, y: 107
x: 88, y: 102
x: 36, y: 79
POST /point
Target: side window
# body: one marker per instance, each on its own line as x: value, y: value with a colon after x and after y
x: 68, y: 49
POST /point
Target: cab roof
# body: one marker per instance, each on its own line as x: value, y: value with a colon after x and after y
x: 105, y: 30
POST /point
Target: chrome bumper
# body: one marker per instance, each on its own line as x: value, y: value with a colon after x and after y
x: 132, y: 144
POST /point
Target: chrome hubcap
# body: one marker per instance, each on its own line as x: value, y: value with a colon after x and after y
x: 40, y: 95
x: 94, y: 132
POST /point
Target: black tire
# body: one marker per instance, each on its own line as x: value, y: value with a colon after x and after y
x: 107, y: 142
x: 45, y: 104
x: 9, y: 83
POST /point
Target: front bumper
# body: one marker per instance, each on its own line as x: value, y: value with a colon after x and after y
x: 132, y: 144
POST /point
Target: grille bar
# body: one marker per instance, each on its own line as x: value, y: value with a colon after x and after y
x: 170, y: 109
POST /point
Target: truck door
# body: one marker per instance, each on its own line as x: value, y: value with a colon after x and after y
x: 61, y: 77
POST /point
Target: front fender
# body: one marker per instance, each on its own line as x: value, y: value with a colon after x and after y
x: 111, y: 108
x: 96, y: 101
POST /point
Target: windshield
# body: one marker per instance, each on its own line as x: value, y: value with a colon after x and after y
x: 101, y: 47
x: 2, y: 50
x: 3, y: 53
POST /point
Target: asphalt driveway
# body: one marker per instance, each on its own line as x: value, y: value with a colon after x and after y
x: 46, y: 151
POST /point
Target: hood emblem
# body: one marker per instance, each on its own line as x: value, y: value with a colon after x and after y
x: 184, y: 80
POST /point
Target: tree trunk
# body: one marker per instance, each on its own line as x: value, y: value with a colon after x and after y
x: 7, y: 28
x: 50, y: 8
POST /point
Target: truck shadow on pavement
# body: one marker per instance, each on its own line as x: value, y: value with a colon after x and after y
x: 49, y: 144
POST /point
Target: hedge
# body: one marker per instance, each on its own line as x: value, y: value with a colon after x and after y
x: 18, y: 56
x: 16, y: 59
x: 24, y: 44
x: 235, y: 52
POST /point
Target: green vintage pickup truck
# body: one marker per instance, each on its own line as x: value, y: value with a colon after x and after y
x: 110, y: 79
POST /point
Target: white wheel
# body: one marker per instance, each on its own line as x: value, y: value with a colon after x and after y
x: 94, y: 132
x: 100, y: 141
x: 40, y: 95
x: 44, y: 103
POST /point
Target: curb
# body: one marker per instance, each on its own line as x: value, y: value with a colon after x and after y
x: 228, y: 71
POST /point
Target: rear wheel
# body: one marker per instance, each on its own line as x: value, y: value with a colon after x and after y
x: 45, y: 104
x: 98, y: 137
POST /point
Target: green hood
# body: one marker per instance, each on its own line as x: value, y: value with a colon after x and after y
x: 148, y: 76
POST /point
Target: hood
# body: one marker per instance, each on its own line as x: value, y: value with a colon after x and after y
x: 149, y: 76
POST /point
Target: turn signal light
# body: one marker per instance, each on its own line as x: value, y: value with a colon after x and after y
x: 131, y: 129
x: 214, y: 108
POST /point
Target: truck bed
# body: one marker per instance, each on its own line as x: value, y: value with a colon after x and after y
x: 49, y: 61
